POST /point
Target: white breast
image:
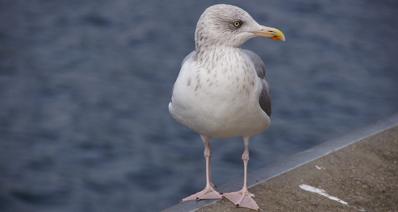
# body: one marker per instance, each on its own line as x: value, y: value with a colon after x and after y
x: 218, y: 96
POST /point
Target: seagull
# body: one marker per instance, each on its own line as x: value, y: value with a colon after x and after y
x: 221, y: 90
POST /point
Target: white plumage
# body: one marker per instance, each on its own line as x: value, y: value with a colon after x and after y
x: 219, y: 100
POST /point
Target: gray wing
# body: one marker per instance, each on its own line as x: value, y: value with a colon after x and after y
x: 265, y: 97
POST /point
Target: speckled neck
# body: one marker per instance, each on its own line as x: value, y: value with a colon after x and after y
x: 219, y: 56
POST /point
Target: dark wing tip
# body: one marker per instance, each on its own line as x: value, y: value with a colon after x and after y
x: 265, y: 101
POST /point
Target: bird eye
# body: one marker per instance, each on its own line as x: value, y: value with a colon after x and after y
x: 237, y: 23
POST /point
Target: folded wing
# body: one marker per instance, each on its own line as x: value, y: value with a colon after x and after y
x: 265, y: 97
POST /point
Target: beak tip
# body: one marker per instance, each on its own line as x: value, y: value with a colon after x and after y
x: 279, y: 38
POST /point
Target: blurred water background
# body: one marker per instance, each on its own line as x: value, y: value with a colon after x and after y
x: 84, y: 89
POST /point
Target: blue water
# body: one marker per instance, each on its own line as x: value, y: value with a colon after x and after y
x: 84, y: 89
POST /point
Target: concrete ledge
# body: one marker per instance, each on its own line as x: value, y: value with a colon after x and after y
x: 361, y: 169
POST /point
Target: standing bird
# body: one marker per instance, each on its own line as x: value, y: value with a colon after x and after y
x: 221, y: 90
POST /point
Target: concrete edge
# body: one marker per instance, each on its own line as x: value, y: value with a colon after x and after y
x: 282, y: 166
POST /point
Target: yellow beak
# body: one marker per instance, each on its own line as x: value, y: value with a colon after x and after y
x: 269, y: 32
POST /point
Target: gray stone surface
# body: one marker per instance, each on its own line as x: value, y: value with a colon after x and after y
x: 365, y: 175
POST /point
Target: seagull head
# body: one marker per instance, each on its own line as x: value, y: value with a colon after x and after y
x: 228, y: 25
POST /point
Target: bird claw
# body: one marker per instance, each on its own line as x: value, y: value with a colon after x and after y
x: 243, y: 199
x: 207, y: 193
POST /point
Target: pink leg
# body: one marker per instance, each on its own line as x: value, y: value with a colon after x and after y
x: 210, y: 169
x: 243, y: 198
x: 208, y: 192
